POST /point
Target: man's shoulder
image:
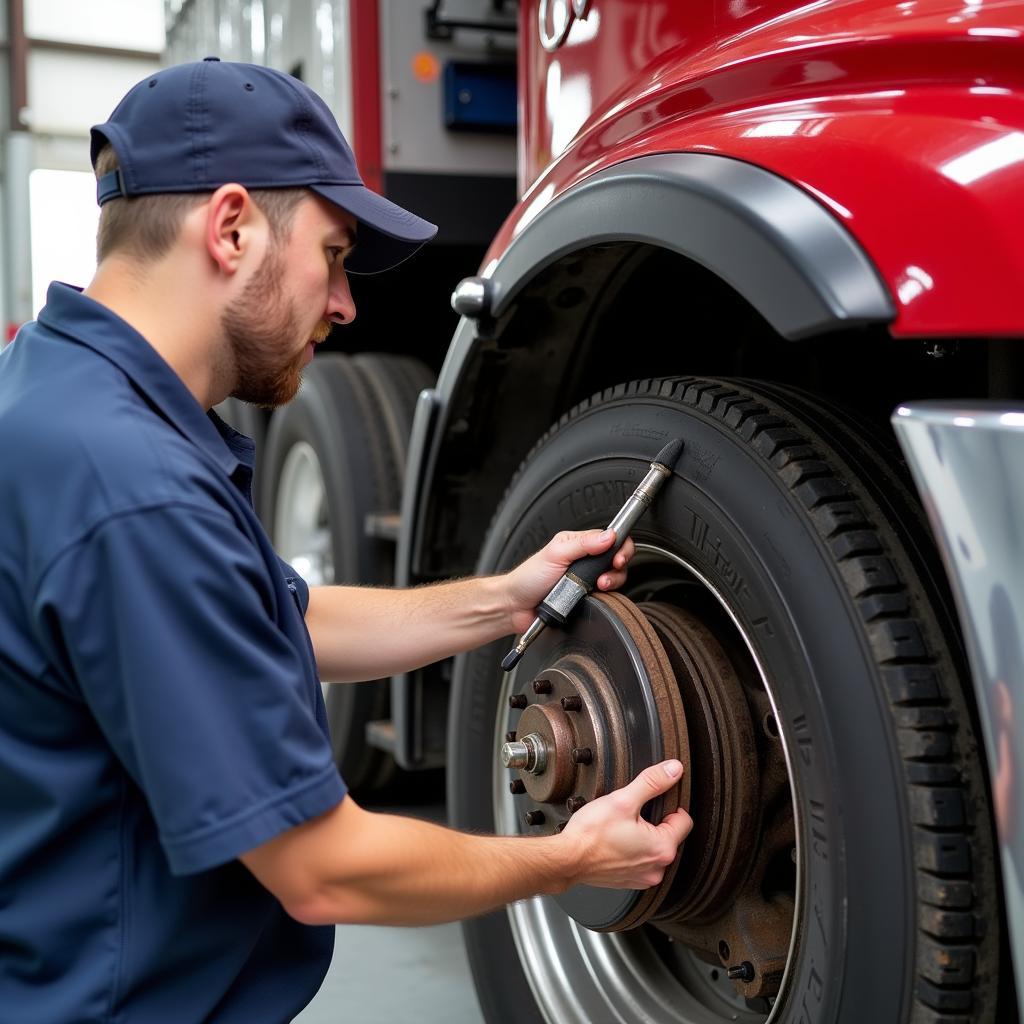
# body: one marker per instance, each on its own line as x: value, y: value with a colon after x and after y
x: 82, y: 445
x: 92, y: 425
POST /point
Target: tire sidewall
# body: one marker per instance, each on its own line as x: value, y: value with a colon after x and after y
x: 727, y: 513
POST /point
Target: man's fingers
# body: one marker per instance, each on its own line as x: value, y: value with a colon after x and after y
x: 624, y: 554
x: 654, y: 781
x: 569, y: 545
x: 611, y: 580
x: 616, y: 575
x: 677, y: 825
x: 596, y: 541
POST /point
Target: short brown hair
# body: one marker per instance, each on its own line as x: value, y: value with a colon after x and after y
x: 147, y: 226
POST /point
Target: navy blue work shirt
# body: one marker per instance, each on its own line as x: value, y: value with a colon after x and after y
x: 160, y: 711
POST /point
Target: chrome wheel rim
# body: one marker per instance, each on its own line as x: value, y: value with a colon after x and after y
x: 302, y: 528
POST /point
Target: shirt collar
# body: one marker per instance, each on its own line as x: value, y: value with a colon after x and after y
x: 92, y: 324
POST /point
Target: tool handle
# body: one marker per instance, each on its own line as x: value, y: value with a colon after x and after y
x: 588, y: 569
x: 579, y: 580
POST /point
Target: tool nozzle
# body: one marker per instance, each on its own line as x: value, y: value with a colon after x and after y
x: 669, y: 455
x: 511, y: 659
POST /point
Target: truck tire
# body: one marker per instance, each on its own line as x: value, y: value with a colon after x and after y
x: 336, y: 455
x: 798, y: 542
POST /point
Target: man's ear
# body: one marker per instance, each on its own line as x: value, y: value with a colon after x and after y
x: 232, y: 227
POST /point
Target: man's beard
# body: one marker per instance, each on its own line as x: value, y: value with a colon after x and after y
x: 257, y: 325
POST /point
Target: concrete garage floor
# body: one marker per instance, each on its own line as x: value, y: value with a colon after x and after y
x: 388, y: 975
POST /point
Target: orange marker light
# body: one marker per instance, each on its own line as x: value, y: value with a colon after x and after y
x: 425, y: 67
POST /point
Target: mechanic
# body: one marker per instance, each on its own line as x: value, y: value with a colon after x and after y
x: 175, y: 840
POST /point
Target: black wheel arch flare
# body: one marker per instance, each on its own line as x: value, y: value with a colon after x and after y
x: 777, y: 245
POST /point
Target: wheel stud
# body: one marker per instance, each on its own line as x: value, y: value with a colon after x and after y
x: 516, y: 786
x: 517, y: 700
x: 534, y: 817
x: 572, y: 704
x: 510, y: 736
x: 574, y: 803
x: 542, y: 686
x: 582, y: 755
x: 741, y: 972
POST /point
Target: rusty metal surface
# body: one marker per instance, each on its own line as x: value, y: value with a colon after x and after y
x: 629, y: 684
x: 674, y: 737
x: 593, y: 681
x: 724, y: 765
x: 735, y: 893
x: 548, y: 719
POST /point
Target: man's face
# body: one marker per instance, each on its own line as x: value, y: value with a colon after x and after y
x: 289, y: 303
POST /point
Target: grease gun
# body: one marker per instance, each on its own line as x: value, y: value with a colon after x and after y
x: 581, y: 577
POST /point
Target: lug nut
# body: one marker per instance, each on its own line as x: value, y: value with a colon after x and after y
x: 572, y: 704
x: 516, y: 786
x: 518, y: 700
x: 741, y: 972
x: 574, y: 803
x: 582, y: 755
x: 534, y: 817
x: 542, y: 686
x: 510, y: 736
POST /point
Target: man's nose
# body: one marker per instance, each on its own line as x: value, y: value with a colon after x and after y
x: 341, y: 308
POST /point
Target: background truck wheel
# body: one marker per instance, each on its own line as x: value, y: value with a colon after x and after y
x: 332, y: 476
x: 253, y: 423
x: 842, y: 843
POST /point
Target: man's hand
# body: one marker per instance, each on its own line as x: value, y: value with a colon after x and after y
x: 529, y: 583
x: 615, y: 847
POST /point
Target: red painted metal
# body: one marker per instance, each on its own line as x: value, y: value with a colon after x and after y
x: 364, y: 42
x: 905, y: 119
x: 18, y: 74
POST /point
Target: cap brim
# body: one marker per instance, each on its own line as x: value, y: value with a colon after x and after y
x: 387, y: 233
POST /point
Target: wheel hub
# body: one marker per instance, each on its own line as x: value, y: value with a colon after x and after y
x: 626, y: 686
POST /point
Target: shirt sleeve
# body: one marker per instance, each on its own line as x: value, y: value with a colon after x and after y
x: 164, y: 619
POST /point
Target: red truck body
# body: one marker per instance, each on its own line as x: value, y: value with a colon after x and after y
x: 904, y: 119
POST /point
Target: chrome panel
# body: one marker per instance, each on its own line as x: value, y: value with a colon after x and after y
x: 968, y: 463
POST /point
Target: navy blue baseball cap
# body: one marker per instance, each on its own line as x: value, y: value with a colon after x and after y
x: 194, y: 127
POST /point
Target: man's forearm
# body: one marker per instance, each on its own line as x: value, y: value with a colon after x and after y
x: 352, y: 866
x: 358, y: 867
x: 368, y: 633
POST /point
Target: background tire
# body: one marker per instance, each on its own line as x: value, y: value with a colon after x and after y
x: 251, y: 421
x: 817, y: 548
x: 334, y: 456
